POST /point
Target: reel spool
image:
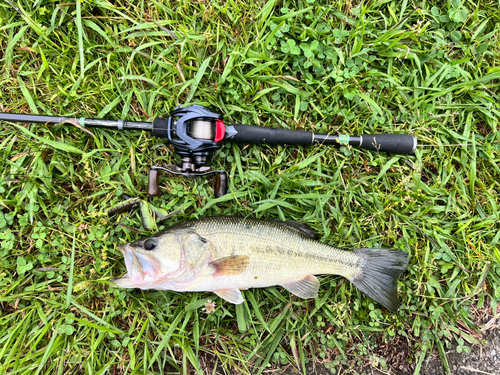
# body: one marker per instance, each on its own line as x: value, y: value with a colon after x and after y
x: 201, y: 129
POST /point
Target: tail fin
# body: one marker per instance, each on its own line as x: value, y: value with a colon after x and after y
x: 379, y: 277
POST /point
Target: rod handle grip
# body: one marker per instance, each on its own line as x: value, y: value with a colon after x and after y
x: 260, y: 135
x: 392, y: 143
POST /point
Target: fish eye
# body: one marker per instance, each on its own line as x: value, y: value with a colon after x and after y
x: 149, y: 244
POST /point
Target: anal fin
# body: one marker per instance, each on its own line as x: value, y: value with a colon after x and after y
x: 304, y: 288
x: 230, y: 295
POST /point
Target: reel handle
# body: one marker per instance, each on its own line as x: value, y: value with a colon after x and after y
x: 220, y: 187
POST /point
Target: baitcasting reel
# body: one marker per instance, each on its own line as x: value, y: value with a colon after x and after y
x: 195, y: 133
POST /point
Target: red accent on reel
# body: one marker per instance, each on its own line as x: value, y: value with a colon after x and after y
x: 220, y: 131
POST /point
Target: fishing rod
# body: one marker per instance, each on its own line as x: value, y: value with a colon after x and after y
x: 196, y: 132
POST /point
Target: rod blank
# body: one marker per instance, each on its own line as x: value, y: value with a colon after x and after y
x: 85, y: 122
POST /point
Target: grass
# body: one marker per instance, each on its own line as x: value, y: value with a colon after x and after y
x: 430, y: 69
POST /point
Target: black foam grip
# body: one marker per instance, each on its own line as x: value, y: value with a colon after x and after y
x: 160, y: 127
x: 393, y: 143
x: 258, y: 135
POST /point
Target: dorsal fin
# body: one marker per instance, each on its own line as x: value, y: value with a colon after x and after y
x: 299, y: 228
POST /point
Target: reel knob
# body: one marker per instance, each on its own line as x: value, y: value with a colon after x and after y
x: 153, y: 182
x: 220, y: 184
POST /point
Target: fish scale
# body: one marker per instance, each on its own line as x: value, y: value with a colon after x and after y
x: 227, y: 254
x: 268, y: 239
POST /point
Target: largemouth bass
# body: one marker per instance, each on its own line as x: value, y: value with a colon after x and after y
x: 228, y: 254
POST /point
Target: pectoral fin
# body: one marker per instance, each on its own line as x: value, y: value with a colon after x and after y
x: 304, y: 288
x: 233, y: 265
x: 230, y: 295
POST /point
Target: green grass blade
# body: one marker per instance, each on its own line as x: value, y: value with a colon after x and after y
x: 166, y: 337
x: 27, y: 95
x: 53, y: 144
x: 197, y: 79
x: 71, y: 275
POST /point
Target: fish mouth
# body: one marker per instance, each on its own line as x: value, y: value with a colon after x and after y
x: 140, y: 268
x: 133, y: 264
